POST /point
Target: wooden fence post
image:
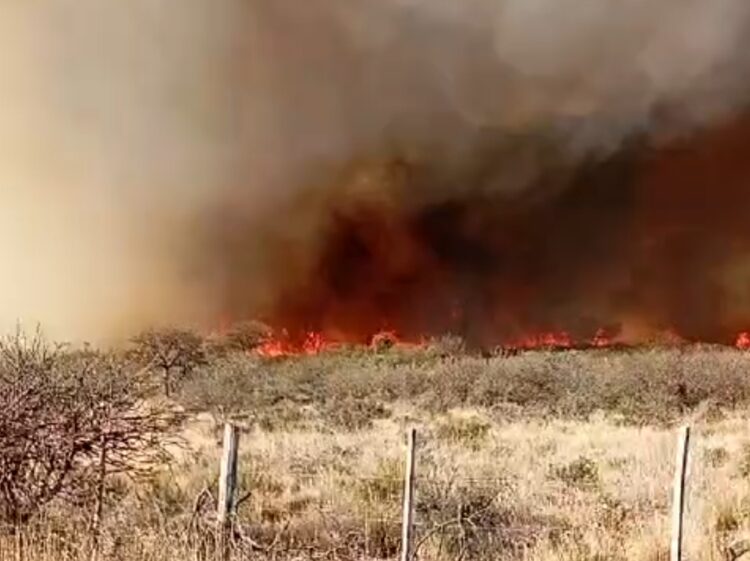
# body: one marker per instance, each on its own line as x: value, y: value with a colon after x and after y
x: 227, y: 485
x: 678, y: 494
x: 407, y: 539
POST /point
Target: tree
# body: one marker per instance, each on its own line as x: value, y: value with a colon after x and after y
x: 246, y: 336
x: 175, y: 353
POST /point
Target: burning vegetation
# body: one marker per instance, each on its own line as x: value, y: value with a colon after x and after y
x: 644, y: 245
x: 466, y: 184
x: 471, y: 169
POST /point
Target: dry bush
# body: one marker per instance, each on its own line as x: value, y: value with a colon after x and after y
x: 384, y: 341
x: 238, y: 384
x: 353, y: 387
x: 281, y: 395
x: 470, y: 431
x: 582, y: 473
x: 173, y: 353
x: 475, y: 520
x: 68, y: 421
x: 551, y: 455
x: 530, y: 493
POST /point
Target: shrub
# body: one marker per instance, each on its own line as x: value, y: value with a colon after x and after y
x: 639, y: 386
x: 68, y: 421
x: 353, y: 414
x: 469, y: 431
x: 385, y: 486
x: 716, y: 457
x: 582, y: 473
x: 744, y: 461
x: 467, y: 519
x: 383, y: 341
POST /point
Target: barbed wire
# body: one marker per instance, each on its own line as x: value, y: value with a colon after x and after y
x: 309, y: 476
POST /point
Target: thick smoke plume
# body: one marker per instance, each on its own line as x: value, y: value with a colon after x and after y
x: 492, y: 166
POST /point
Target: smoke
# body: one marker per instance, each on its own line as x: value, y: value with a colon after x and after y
x: 174, y: 160
x: 116, y: 127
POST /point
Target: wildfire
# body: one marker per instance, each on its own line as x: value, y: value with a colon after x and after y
x: 602, y: 339
x: 314, y: 342
x: 561, y: 340
x: 743, y: 340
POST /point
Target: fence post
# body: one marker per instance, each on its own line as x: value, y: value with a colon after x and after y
x: 678, y: 494
x: 227, y: 485
x: 409, y: 487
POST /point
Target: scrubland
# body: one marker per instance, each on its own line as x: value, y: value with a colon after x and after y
x: 541, y: 456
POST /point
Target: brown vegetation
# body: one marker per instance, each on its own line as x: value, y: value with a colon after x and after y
x: 540, y: 456
x: 69, y: 421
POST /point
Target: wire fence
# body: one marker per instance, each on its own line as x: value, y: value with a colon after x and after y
x: 468, y: 528
x: 444, y: 518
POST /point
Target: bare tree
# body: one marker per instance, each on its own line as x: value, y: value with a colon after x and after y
x: 70, y: 420
x: 175, y: 353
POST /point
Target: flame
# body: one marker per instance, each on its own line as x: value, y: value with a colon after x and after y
x: 273, y: 349
x: 743, y: 341
x: 602, y: 339
x: 561, y: 340
x: 314, y: 342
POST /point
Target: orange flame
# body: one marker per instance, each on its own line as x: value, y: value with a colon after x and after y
x: 602, y: 339
x: 561, y: 340
x: 743, y: 341
x: 314, y: 342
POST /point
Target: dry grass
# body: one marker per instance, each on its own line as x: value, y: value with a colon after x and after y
x: 539, y: 457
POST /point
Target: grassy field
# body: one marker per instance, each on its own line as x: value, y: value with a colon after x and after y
x: 542, y: 456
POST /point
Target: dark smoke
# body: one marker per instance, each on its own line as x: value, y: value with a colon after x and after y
x: 643, y: 241
x: 541, y: 168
